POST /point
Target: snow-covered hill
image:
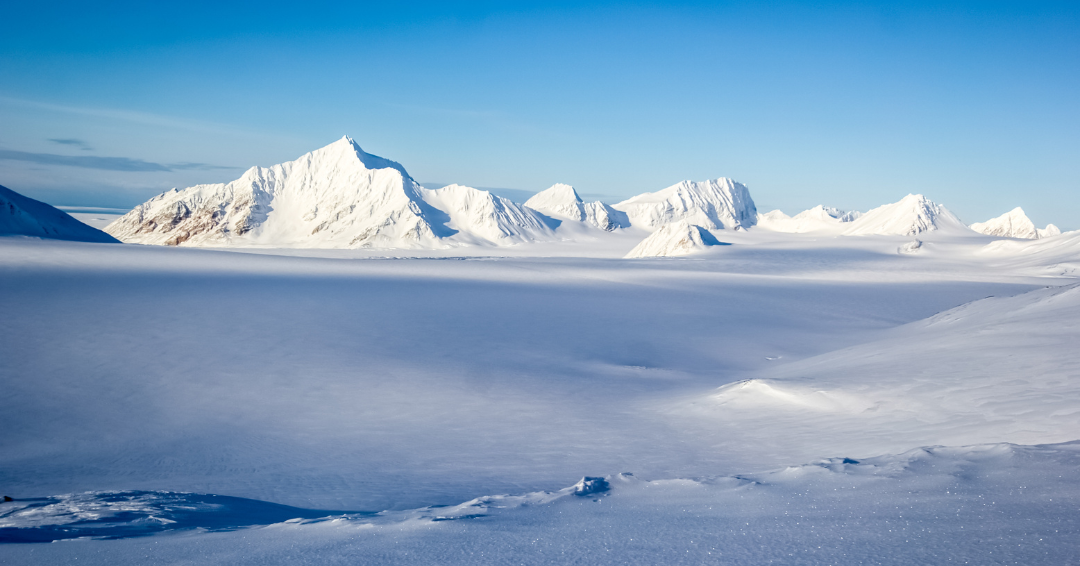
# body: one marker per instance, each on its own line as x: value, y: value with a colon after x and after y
x: 914, y: 214
x: 714, y: 204
x: 675, y: 239
x: 815, y: 219
x: 24, y: 216
x: 1014, y: 224
x: 562, y: 202
x: 335, y: 197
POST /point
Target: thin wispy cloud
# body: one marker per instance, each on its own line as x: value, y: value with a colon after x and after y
x: 72, y: 142
x: 104, y: 163
x: 132, y: 116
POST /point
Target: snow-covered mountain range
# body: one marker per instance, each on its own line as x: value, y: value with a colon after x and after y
x: 1014, y: 224
x: 339, y: 196
x: 24, y: 216
x: 336, y: 197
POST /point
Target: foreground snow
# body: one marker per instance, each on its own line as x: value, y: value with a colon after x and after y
x: 989, y: 504
x: 732, y: 383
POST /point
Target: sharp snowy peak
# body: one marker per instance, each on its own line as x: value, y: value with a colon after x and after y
x: 675, y: 239
x: 1014, y: 224
x: 335, y: 197
x: 914, y: 214
x: 716, y: 204
x: 562, y: 202
x: 24, y: 216
x: 812, y: 220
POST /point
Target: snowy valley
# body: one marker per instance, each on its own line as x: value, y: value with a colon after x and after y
x: 325, y: 362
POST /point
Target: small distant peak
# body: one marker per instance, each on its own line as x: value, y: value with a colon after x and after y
x: 565, y: 191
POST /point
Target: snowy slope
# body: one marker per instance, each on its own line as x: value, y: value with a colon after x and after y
x: 1014, y: 224
x: 1047, y: 256
x: 562, y: 201
x: 714, y: 204
x: 1001, y: 369
x: 335, y: 197
x: 675, y: 239
x: 481, y: 217
x: 912, y: 215
x: 819, y: 218
x: 24, y: 216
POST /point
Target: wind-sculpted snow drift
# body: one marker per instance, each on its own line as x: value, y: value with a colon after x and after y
x: 24, y: 216
x: 993, y: 503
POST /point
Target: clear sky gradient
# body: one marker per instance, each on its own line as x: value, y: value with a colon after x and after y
x: 976, y: 105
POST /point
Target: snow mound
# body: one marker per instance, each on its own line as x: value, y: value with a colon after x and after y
x: 335, y: 197
x: 763, y: 395
x: 714, y: 204
x: 24, y: 216
x: 1014, y: 224
x: 676, y: 239
x: 912, y: 247
x: 562, y: 201
x: 815, y: 219
x: 913, y: 215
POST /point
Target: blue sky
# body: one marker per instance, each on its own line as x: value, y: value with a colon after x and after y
x: 845, y: 104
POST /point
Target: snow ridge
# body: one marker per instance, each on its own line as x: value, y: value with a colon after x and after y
x: 562, y: 201
x: 24, y: 216
x: 912, y: 215
x: 818, y: 218
x: 1014, y: 224
x: 715, y: 204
